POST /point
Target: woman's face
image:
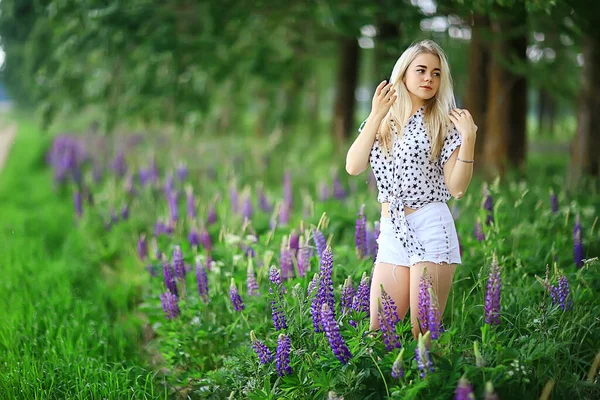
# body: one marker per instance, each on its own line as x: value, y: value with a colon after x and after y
x: 422, y: 78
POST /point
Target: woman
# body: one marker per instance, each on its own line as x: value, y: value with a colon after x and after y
x: 420, y: 147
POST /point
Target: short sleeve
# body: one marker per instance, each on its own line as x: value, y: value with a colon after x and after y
x: 451, y: 142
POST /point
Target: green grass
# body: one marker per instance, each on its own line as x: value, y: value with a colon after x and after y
x: 66, y: 332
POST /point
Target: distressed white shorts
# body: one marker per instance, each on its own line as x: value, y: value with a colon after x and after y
x: 435, y: 230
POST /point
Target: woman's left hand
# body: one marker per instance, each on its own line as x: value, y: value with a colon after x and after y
x: 464, y: 124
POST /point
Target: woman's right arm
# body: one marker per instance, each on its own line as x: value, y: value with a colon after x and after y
x: 357, y: 159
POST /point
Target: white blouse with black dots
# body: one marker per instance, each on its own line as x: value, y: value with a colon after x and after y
x: 408, y: 177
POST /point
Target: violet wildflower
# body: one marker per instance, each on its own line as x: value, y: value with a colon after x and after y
x: 169, y: 184
x: 387, y: 326
x: 578, y: 243
x: 464, y: 390
x: 492, y: 297
x: 262, y: 351
x: 202, y: 281
x: 283, y: 355
x: 182, y: 172
x: 77, y: 201
x: 389, y: 307
x: 294, y: 242
x: 361, y: 301
x: 247, y: 210
x: 234, y: 199
x: 119, y: 165
x: 263, y: 202
x: 360, y: 238
x: 338, y: 191
x: 348, y: 293
x: 178, y: 263
x: 397, y: 367
x: 422, y: 355
x: 561, y: 294
x: 169, y: 277
x: 320, y: 242
x: 336, y: 341
x: 170, y: 305
x: 323, y: 190
x: 288, y: 193
x: 553, y: 202
x: 325, y: 292
x: 114, y: 218
x: 211, y: 217
x: 424, y: 302
x: 488, y: 206
x: 303, y: 259
x: 194, y: 237
x: 190, y: 203
x: 276, y: 296
x: 434, y: 315
x: 478, y: 231
x: 251, y: 284
x: 312, y: 285
x: 205, y: 239
x: 284, y: 214
x: 142, y: 248
x: 285, y: 260
x: 172, y: 201
x: 125, y: 212
x: 235, y: 297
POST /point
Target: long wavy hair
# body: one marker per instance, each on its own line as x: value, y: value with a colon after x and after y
x: 436, y: 110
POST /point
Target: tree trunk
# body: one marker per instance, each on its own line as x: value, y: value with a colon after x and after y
x: 478, y: 84
x: 505, y: 137
x: 347, y: 77
x: 585, y: 148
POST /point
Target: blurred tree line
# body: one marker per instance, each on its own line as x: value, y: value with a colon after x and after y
x: 232, y: 65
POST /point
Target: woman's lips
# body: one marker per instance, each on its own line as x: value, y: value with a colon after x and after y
x: 426, y: 87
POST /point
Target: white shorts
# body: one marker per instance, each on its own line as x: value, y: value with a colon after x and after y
x: 434, y: 226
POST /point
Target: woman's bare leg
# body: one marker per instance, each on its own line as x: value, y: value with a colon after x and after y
x: 441, y: 276
x: 397, y: 288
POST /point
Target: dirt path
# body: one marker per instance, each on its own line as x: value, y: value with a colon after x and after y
x: 7, y: 138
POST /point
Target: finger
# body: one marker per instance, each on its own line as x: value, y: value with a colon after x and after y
x: 390, y: 93
x: 380, y: 86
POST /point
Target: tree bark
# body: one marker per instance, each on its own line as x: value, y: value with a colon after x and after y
x: 585, y: 148
x: 517, y: 142
x: 347, y: 77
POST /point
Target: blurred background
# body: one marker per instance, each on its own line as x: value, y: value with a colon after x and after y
x: 308, y: 69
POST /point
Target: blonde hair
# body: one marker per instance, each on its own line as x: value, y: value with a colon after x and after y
x: 436, y: 109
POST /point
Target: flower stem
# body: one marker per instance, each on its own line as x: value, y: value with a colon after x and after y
x: 382, y: 377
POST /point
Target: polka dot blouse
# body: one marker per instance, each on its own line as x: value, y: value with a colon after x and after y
x: 408, y: 177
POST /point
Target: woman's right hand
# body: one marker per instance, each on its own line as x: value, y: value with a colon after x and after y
x: 384, y: 97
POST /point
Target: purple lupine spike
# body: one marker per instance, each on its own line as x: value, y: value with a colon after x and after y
x: 205, y: 239
x: 288, y: 193
x: 553, y: 202
x: 578, y: 243
x: 389, y: 307
x: 194, y: 237
x: 202, y: 281
x: 77, y: 201
x: 338, y: 190
x: 336, y: 341
x: 169, y: 184
x: 124, y: 212
x: 211, y: 217
x: 323, y: 190
x: 119, y: 165
x: 320, y: 242
x: 276, y: 296
x: 478, y: 231
x: 178, y: 263
x: 283, y: 355
x: 284, y: 214
x: 294, y: 242
x: 492, y: 297
x: 170, y: 283
x: 561, y: 294
x: 312, y: 285
x: 424, y: 302
x: 285, y: 261
x: 234, y: 200
x: 303, y: 258
x: 251, y: 284
x: 247, y: 209
x: 464, y: 390
x: 190, y: 203
x: 173, y: 211
x: 362, y: 298
x: 488, y: 206
x: 348, y: 293
x: 142, y: 248
x: 182, y: 172
x: 433, y: 315
x: 422, y: 356
x: 114, y: 218
x: 397, y: 367
x: 170, y: 305
x: 360, y: 238
x: 325, y: 293
x: 262, y: 351
x: 235, y: 297
x: 263, y: 202
x: 387, y: 317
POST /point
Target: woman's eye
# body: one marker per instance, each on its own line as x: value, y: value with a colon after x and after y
x: 437, y: 74
x: 419, y: 70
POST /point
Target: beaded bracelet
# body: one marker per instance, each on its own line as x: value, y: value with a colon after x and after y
x: 466, y: 161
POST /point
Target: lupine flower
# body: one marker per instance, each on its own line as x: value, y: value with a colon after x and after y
x: 247, y: 210
x: 170, y: 279
x: 294, y: 242
x: 234, y: 199
x: 361, y: 299
x: 492, y: 297
x: 303, y: 259
x: 190, y: 203
x: 262, y: 351
x: 338, y: 191
x: 77, y: 201
x: 251, y: 284
x: 178, y: 263
x: 553, y: 202
x: 114, y: 218
x: 464, y: 390
x: 169, y: 185
x: 211, y: 217
x: 235, y: 297
x: 263, y: 202
x: 478, y: 231
x: 182, y: 172
x: 170, y: 305
x: 125, y: 212
x: 578, y: 243
x: 389, y: 307
x: 313, y: 284
x: 205, y: 239
x: 489, y: 392
x: 173, y: 211
x: 284, y: 214
x: 561, y: 294
x: 202, y: 281
x: 288, y: 193
x: 348, y: 293
x: 325, y: 292
x: 283, y: 355
x: 276, y: 296
x: 324, y: 194
x: 397, y: 367
x: 488, y: 205
x: 422, y: 356
x: 424, y: 302
x: 142, y: 248
x: 194, y: 237
x: 336, y: 341
x: 434, y: 315
x: 119, y: 165
x: 285, y: 260
x: 320, y: 242
x: 387, y: 326
x: 360, y: 238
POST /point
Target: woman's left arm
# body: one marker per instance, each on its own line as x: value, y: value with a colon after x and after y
x: 458, y: 174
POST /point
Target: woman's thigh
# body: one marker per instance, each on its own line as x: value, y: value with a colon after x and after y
x: 395, y: 280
